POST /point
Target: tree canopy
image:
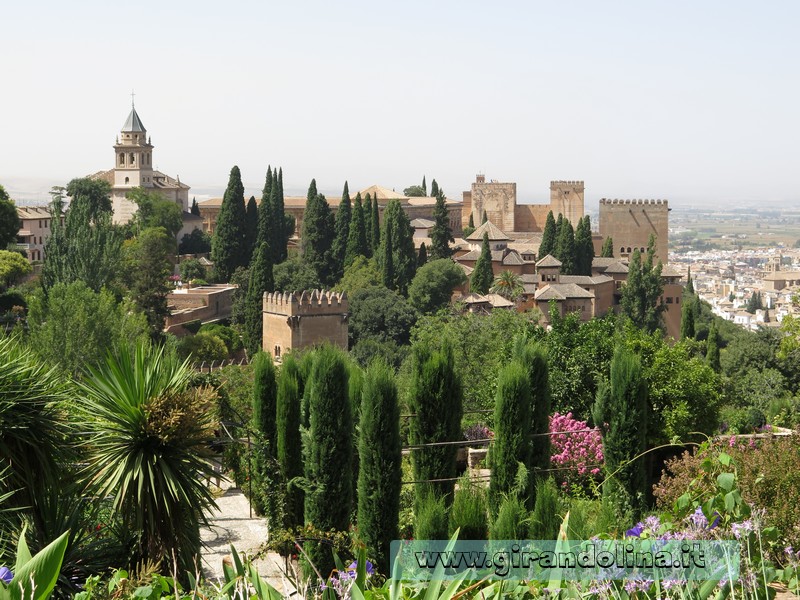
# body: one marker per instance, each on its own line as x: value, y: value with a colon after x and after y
x: 10, y: 222
x: 229, y: 243
x: 434, y: 283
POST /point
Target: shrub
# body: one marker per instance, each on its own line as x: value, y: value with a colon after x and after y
x: 203, y: 346
x: 192, y: 269
x: 468, y: 512
x: 511, y: 520
x: 579, y: 453
x: 10, y: 299
x: 545, y: 520
x: 430, y: 520
x: 232, y: 339
x: 741, y: 420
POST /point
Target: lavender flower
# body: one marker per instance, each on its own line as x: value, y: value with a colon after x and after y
x: 6, y: 575
x: 698, y: 519
x: 742, y: 529
x: 354, y: 565
x: 635, y: 531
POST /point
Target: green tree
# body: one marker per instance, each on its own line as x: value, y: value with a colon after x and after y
x: 548, y: 244
x: 689, y: 284
x: 153, y: 210
x: 368, y: 224
x: 195, y: 210
x: 148, y: 267
x: 317, y: 236
x: 329, y: 453
x: 643, y: 289
x: 229, y: 243
x: 435, y: 398
x: 265, y: 211
x: 197, y: 242
x: 584, y: 248
x: 712, y: 348
x: 192, y: 269
x: 289, y: 446
x: 621, y: 412
x: 379, y: 474
x: 341, y: 233
x: 754, y: 303
x: 424, y: 186
x: 397, y: 257
x: 376, y: 226
x: 151, y: 474
x: 380, y: 314
x: 565, y: 247
x: 266, y: 470
x: 422, y: 256
x: 361, y: 274
x: 261, y: 281
x: 414, y: 191
x: 434, y: 283
x: 10, y: 222
x: 608, y: 248
x: 285, y: 222
x: 440, y: 233
x: 252, y: 224
x: 687, y: 318
x: 13, y: 267
x: 508, y: 284
x: 75, y: 327
x: 434, y: 189
x: 357, y: 235
x: 512, y: 418
x: 295, y: 275
x: 482, y: 276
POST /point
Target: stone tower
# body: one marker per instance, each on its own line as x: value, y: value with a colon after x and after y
x: 134, y: 154
x: 294, y: 322
x: 629, y: 223
x: 566, y: 197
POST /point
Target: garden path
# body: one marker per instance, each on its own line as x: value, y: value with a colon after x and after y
x: 232, y: 524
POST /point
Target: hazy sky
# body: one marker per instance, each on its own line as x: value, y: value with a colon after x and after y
x: 694, y: 101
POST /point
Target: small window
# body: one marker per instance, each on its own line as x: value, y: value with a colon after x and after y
x: 127, y: 179
x: 669, y: 299
x: 677, y: 300
x: 629, y: 249
x: 40, y: 223
x: 622, y: 250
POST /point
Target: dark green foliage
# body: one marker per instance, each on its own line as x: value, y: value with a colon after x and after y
x: 261, y: 281
x: 545, y: 519
x: 252, y: 224
x: 534, y: 358
x: 510, y: 523
x: 687, y: 317
x: 357, y: 235
x: 469, y: 511
x: 379, y: 473
x: 154, y: 210
x: 424, y: 186
x: 621, y: 413
x: 440, y: 233
x: 265, y: 466
x: 329, y: 459
x: 641, y: 292
x: 195, y: 210
x: 284, y: 223
x: 422, y: 257
x: 380, y: 314
x: 584, y: 248
x: 430, y: 518
x: 754, y: 303
x: 241, y: 279
x: 289, y: 445
x: 317, y: 236
x: 148, y: 267
x: 397, y: 257
x: 565, y: 247
x: 712, y: 348
x: 512, y: 442
x: 436, y: 400
x: 265, y: 211
x: 376, y: 226
x: 483, y: 276
x: 434, y: 283
x: 295, y: 275
x: 368, y: 224
x: 192, y: 269
x: 414, y: 191
x: 608, y: 248
x: 233, y: 341
x: 197, y: 242
x: 229, y: 243
x: 10, y: 222
x: 484, y: 218
x: 202, y: 347
x: 689, y: 283
x: 341, y: 234
x: 471, y: 223
x: 434, y: 189
x: 548, y: 245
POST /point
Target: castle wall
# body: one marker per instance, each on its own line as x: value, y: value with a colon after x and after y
x: 630, y: 223
x: 567, y: 198
x: 531, y: 217
x: 498, y: 200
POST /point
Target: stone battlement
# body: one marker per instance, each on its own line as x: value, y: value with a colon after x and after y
x: 314, y: 302
x: 561, y: 182
x: 616, y: 201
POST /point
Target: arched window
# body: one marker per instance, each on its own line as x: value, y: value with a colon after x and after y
x: 133, y: 158
x: 121, y: 158
x: 622, y: 250
x: 641, y: 249
x: 127, y: 180
x: 629, y: 249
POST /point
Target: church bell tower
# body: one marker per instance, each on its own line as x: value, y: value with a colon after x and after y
x: 133, y: 154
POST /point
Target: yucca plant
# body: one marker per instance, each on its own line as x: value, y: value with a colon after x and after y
x: 148, y: 451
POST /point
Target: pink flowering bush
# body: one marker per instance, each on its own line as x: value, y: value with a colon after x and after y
x: 577, y: 453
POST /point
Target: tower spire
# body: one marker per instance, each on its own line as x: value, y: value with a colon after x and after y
x: 132, y: 103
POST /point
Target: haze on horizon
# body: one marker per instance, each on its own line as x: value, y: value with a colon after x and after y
x: 693, y: 102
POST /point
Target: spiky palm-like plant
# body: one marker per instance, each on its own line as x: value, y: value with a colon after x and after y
x: 508, y: 284
x: 148, y: 449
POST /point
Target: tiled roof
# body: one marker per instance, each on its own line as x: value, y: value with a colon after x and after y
x: 133, y: 124
x: 562, y: 291
x: 583, y: 279
x: 422, y: 223
x: 616, y: 267
x: 495, y: 235
x: 548, y: 261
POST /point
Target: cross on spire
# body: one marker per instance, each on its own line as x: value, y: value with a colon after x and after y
x: 132, y: 95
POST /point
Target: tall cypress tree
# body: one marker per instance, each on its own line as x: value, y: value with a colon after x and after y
x: 422, y: 257
x: 687, y: 317
x: 357, y: 236
x: 485, y: 217
x: 252, y: 224
x: 376, y: 225
x: 441, y: 234
x: 289, y: 444
x: 368, y: 225
x: 548, y: 245
x: 265, y: 211
x: 689, y: 283
x: 621, y: 411
x: 584, y: 248
x: 261, y: 281
x: 482, y: 275
x: 512, y: 419
x: 195, y: 208
x: 379, y: 474
x: 436, y: 401
x: 264, y: 410
x: 329, y: 456
x: 642, y: 290
x: 424, y: 185
x: 229, y: 243
x: 565, y: 248
x: 341, y: 233
x: 434, y: 189
x: 285, y: 222
x: 712, y: 347
x: 386, y: 256
x: 317, y: 237
x: 608, y: 248
x: 397, y: 241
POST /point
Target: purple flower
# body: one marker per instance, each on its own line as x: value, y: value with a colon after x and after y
x: 354, y: 565
x: 635, y: 531
x: 742, y: 529
x: 698, y: 519
x: 6, y: 575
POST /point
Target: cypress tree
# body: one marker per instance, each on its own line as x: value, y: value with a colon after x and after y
x: 512, y: 419
x: 584, y: 248
x: 317, y: 237
x: 329, y: 457
x: 441, y: 234
x: 565, y: 248
x: 485, y: 217
x: 422, y: 257
x: 229, y: 243
x: 260, y: 281
x: 355, y: 388
x: 379, y: 474
x: 712, y: 347
x: 397, y: 241
x: 436, y: 400
x: 559, y: 226
x: 357, y: 236
x: 608, y: 248
x: 376, y: 225
x: 424, y: 185
x: 621, y: 411
x: 195, y: 208
x: 265, y: 211
x: 368, y: 225
x: 434, y: 189
x: 471, y: 224
x: 252, y: 224
x: 687, y: 318
x: 264, y: 411
x: 341, y: 233
x: 548, y: 245
x: 386, y: 256
x: 689, y: 284
x: 642, y: 290
x: 285, y: 227
x: 289, y: 445
x: 482, y: 276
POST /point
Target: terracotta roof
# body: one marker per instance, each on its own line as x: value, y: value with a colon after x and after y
x: 497, y: 301
x: 548, y: 261
x: 669, y: 271
x: 495, y: 235
x: 33, y: 212
x: 603, y: 261
x: 583, y: 279
x: 422, y: 223
x: 616, y: 267
x: 382, y: 193
x: 529, y: 278
x: 562, y: 291
x: 513, y: 258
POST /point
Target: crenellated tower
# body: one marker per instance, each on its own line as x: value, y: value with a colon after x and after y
x: 566, y: 197
x: 631, y: 222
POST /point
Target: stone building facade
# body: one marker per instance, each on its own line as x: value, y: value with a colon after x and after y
x: 295, y: 321
x: 629, y: 223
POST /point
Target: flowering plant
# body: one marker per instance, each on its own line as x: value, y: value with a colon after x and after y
x: 576, y: 450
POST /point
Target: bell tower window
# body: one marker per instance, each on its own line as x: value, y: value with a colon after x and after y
x: 121, y: 158
x: 133, y: 158
x: 127, y: 180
